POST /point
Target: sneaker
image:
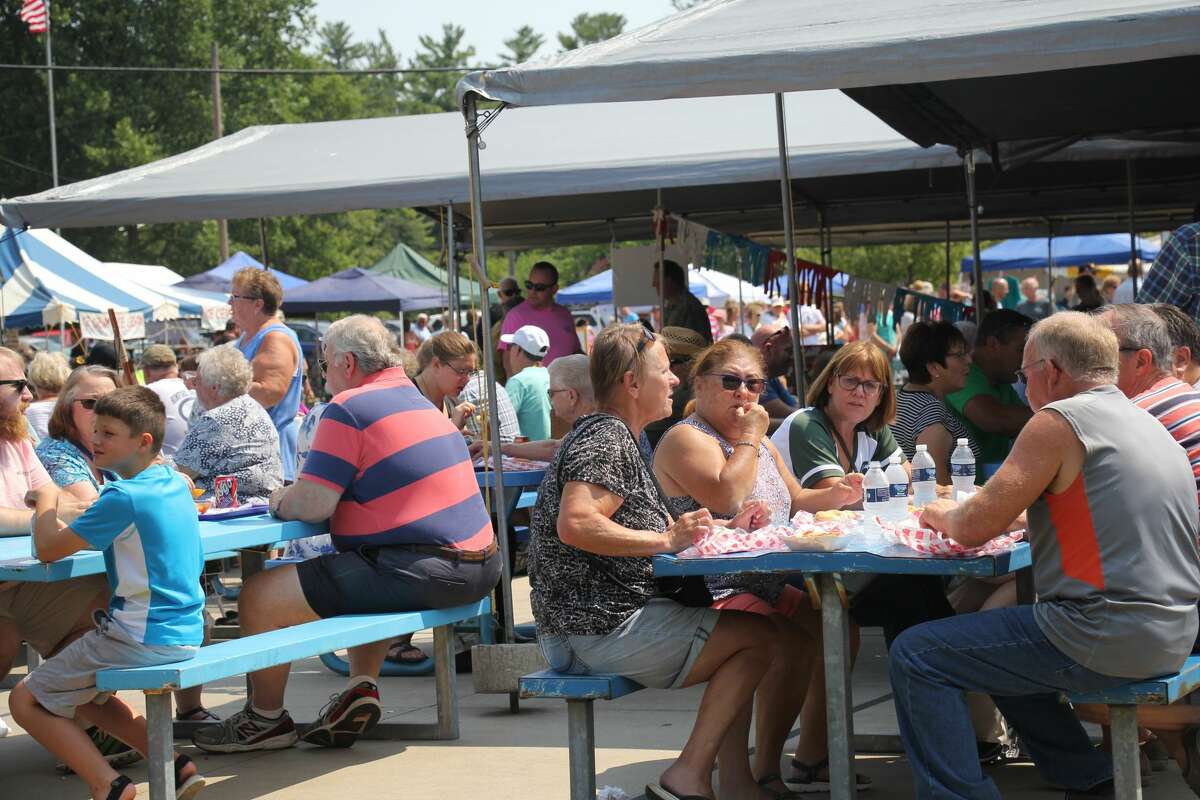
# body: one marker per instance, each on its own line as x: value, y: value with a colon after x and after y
x: 246, y: 731
x: 118, y: 754
x: 346, y: 717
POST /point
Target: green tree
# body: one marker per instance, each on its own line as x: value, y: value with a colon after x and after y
x: 429, y: 92
x: 338, y: 46
x: 896, y: 263
x: 523, y: 45
x: 591, y: 28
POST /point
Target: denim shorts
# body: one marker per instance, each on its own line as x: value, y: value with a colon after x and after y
x: 68, y: 680
x: 656, y: 646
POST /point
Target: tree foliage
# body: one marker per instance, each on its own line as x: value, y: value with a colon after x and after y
x: 523, y: 45
x: 430, y: 92
x: 591, y: 28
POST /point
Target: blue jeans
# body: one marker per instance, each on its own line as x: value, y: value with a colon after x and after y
x: 1002, y: 653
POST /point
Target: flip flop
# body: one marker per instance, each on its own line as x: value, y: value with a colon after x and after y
x: 656, y: 791
x: 397, y: 654
x: 778, y: 794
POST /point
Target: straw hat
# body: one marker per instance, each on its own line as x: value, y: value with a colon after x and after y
x: 682, y: 341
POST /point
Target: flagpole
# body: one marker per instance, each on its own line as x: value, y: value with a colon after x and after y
x: 50, y: 98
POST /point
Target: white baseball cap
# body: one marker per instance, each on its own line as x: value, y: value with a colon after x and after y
x: 530, y: 338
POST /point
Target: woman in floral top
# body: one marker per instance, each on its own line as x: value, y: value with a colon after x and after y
x: 599, y: 519
x: 67, y: 452
x: 234, y: 435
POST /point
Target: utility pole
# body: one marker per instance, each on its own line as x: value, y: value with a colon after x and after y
x: 50, y: 99
x: 222, y: 225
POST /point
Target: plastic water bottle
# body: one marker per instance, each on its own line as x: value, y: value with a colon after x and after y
x: 962, y: 468
x: 877, y: 497
x: 897, y: 480
x: 924, y: 477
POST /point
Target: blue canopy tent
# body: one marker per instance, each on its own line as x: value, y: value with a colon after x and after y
x: 1063, y: 251
x: 358, y: 289
x: 217, y: 279
x: 598, y: 290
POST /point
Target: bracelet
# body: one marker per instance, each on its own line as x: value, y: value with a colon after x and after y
x: 745, y: 444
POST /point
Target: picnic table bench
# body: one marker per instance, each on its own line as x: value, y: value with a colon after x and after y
x: 1122, y: 702
x: 283, y: 646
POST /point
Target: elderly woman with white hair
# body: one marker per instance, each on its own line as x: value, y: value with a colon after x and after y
x: 234, y: 435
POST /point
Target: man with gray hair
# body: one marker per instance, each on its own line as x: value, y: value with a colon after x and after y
x: 1147, y: 377
x: 1112, y: 524
x: 570, y: 398
x: 391, y: 475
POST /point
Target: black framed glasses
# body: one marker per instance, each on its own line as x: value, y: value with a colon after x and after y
x: 731, y: 383
x: 530, y: 286
x: 461, y: 372
x: 551, y: 392
x: 852, y: 384
x: 20, y: 384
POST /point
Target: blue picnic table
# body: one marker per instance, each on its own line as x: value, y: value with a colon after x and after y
x: 862, y: 553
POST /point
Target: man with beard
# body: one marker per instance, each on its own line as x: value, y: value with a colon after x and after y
x: 47, y: 615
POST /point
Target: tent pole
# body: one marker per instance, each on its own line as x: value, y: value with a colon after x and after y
x: 740, y: 326
x: 1050, y: 262
x: 789, y: 243
x: 471, y: 113
x: 947, y: 259
x: 977, y: 266
x: 262, y: 241
x: 452, y: 267
x: 662, y: 289
x: 825, y: 242
x: 1133, y: 248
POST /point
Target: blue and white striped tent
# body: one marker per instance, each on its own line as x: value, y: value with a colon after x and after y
x: 48, y: 281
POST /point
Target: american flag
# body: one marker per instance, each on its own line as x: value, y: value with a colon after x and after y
x: 33, y: 12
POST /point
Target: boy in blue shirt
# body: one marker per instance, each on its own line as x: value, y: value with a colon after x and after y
x: 147, y: 526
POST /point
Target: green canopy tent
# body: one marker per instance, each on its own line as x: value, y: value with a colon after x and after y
x: 404, y: 262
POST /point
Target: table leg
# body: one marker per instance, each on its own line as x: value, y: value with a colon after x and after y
x: 253, y: 562
x: 1127, y: 779
x: 161, y: 755
x: 835, y: 628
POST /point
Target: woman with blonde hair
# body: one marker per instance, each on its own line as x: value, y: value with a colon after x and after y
x: 718, y: 458
x: 445, y: 363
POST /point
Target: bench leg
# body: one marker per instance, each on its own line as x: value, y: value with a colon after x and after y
x: 445, y: 677
x: 581, y: 741
x: 1127, y: 778
x: 162, y: 763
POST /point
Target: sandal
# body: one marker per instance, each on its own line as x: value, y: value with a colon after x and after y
x: 197, y: 714
x: 185, y: 789
x: 785, y: 794
x: 406, y: 654
x: 118, y: 786
x: 808, y: 778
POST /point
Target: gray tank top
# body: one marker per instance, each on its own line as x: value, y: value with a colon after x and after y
x: 1115, y: 560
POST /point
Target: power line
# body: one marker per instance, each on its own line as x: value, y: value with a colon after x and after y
x: 246, y: 70
x: 30, y: 168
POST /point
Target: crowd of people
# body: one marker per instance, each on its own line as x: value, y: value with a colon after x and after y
x: 652, y: 438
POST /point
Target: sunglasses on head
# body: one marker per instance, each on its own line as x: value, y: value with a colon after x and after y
x: 538, y: 287
x: 647, y: 338
x: 20, y: 384
x: 731, y: 383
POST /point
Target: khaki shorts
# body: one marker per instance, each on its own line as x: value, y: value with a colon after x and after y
x: 46, y: 612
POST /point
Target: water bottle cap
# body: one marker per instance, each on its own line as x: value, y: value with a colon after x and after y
x: 922, y: 448
x: 873, y: 465
x: 962, y: 443
x: 895, y: 458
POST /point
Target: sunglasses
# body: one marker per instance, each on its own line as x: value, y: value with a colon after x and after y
x: 20, y: 384
x: 243, y: 297
x: 731, y: 383
x: 510, y: 292
x: 852, y: 384
x: 538, y: 287
x: 647, y: 338
x: 88, y: 403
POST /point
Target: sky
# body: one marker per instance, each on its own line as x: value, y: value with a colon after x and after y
x: 488, y: 22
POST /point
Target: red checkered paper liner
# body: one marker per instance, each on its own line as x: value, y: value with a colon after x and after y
x: 720, y: 541
x: 924, y: 540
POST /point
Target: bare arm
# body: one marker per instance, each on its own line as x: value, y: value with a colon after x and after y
x: 585, y: 522
x: 534, y: 451
x: 53, y: 538
x: 990, y: 415
x: 305, y: 500
x: 834, y: 493
x: 1047, y: 456
x: 940, y: 444
x: 81, y: 490
x: 274, y: 365
x: 15, y: 521
x: 690, y: 462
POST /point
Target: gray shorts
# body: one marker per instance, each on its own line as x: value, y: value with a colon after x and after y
x: 68, y: 680
x: 656, y: 646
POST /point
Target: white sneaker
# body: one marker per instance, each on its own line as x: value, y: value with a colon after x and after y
x: 3, y: 728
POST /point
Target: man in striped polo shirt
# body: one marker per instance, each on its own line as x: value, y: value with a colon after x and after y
x: 1146, y: 378
x: 392, y: 475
